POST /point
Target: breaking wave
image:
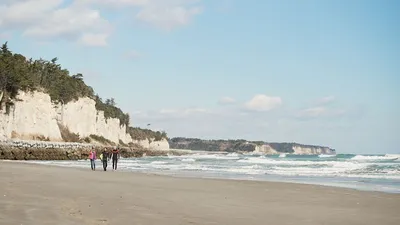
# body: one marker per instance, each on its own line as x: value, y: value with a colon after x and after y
x: 365, y: 170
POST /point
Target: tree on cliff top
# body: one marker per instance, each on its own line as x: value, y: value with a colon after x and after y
x: 18, y: 73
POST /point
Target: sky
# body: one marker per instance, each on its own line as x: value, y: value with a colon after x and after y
x: 312, y: 72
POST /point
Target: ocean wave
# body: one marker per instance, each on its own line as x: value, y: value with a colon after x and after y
x: 349, y: 168
x: 374, y: 157
x: 188, y: 160
x: 326, y: 156
x: 208, y: 156
x: 159, y: 162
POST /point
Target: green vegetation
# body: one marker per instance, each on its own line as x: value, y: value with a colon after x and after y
x: 211, y: 145
x: 101, y: 139
x: 141, y: 134
x: 67, y: 135
x: 121, y: 143
x: 18, y: 73
x: 111, y: 111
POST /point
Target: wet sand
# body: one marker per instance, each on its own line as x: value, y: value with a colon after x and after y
x: 37, y: 194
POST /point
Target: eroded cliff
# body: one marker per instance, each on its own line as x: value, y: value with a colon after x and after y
x: 34, y: 116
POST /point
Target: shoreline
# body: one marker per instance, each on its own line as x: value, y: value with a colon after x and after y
x: 188, y: 175
x: 31, y: 194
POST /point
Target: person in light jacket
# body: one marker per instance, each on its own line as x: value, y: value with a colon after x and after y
x: 92, y: 157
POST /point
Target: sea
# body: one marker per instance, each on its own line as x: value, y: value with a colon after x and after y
x: 363, y: 172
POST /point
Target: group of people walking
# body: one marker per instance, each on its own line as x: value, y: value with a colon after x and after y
x: 105, y: 157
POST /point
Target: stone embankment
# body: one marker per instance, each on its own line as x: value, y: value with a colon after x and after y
x: 43, y: 150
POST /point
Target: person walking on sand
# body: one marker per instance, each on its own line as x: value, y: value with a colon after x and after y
x: 115, y: 157
x: 104, y: 158
x: 92, y: 157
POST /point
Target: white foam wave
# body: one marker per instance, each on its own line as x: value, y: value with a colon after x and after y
x: 374, y: 157
x: 359, y: 168
x: 188, y: 160
x: 283, y: 155
x: 159, y: 162
x: 268, y: 161
x: 213, y: 156
x: 326, y: 156
x: 234, y: 154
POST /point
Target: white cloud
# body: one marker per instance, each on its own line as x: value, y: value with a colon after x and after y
x: 163, y: 14
x: 326, y: 100
x: 54, y: 19
x: 133, y: 54
x: 94, y: 39
x: 5, y: 35
x: 226, y: 100
x: 263, y: 103
x: 168, y: 111
x: 82, y: 21
x: 168, y: 17
x: 318, y: 112
x: 313, y: 112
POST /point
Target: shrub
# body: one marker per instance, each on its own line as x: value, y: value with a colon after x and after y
x: 101, y: 139
x: 67, y: 135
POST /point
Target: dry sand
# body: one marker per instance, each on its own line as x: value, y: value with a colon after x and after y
x: 35, y: 194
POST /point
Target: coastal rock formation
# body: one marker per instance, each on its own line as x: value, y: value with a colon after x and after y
x: 81, y: 117
x: 43, y: 150
x: 265, y: 149
x: 247, y: 146
x: 35, y: 117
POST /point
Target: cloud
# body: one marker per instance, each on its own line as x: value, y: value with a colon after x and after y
x: 5, y: 35
x: 226, y: 101
x: 163, y: 14
x: 55, y: 19
x: 312, y: 112
x: 263, y: 103
x: 94, y: 39
x: 133, y: 54
x: 319, y: 112
x: 326, y: 100
x: 82, y: 21
x: 168, y: 17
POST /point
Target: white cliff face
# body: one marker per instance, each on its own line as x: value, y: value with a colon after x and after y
x: 36, y: 116
x: 311, y: 151
x: 82, y: 117
x: 154, y: 145
x: 297, y: 150
x: 265, y: 149
x: 31, y: 117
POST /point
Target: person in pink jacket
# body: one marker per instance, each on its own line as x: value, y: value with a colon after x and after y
x: 92, y: 157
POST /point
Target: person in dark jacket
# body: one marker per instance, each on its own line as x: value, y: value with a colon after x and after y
x: 115, y: 156
x: 105, y: 158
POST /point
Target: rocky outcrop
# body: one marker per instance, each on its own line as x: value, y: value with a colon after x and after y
x: 41, y: 150
x: 265, y: 149
x: 35, y: 117
x: 246, y: 146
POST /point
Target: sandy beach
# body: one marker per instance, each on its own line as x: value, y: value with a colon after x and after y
x: 38, y: 194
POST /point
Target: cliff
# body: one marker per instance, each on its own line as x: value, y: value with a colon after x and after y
x: 35, y: 117
x: 247, y: 146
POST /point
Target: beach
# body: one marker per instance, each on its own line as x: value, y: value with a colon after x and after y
x: 40, y: 194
